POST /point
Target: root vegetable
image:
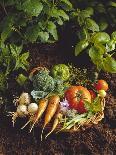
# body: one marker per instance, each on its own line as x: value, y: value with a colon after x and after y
x: 24, y: 98
x: 41, y: 108
x: 51, y: 110
x: 32, y: 108
x: 21, y: 112
x: 55, y: 123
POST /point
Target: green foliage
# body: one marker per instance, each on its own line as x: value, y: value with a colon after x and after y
x: 91, y: 38
x: 33, y: 20
x: 95, y: 106
x: 21, y: 79
x: 11, y: 59
x: 81, y: 46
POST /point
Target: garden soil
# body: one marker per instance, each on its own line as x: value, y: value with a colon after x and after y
x: 96, y: 140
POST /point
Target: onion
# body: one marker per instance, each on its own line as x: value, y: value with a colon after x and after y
x: 32, y: 108
x: 24, y: 98
x: 22, y: 110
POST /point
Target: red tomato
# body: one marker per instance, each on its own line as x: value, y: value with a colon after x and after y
x: 93, y: 95
x: 76, y: 95
x: 101, y: 85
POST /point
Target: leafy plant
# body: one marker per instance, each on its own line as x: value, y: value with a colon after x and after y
x: 91, y: 38
x: 33, y: 20
x: 11, y: 59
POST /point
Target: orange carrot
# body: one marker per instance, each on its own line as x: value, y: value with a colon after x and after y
x: 51, y: 110
x: 56, y: 121
x: 41, y: 108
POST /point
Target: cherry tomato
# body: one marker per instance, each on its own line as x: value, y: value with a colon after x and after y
x: 101, y: 85
x: 76, y: 96
x: 102, y: 93
x: 93, y: 95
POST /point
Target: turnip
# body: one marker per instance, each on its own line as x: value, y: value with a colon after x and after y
x: 24, y: 98
x: 20, y: 112
x: 32, y: 108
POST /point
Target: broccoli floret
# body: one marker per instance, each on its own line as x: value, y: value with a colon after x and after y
x: 43, y: 81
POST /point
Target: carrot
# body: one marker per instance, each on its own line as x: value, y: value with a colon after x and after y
x: 56, y: 121
x: 51, y: 109
x: 41, y: 108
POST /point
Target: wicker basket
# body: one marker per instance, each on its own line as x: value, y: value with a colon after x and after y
x: 93, y: 120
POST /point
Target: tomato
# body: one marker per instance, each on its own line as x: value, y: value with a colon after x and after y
x: 93, y: 95
x: 76, y: 95
x: 101, y: 85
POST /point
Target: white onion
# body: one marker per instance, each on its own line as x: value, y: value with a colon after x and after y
x: 32, y: 108
x: 24, y: 98
x: 22, y: 110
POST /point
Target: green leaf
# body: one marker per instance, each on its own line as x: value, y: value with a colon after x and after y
x: 63, y: 15
x: 103, y: 25
x: 21, y: 79
x: 109, y: 64
x: 111, y: 3
x: 67, y: 5
x: 96, y: 57
x: 81, y: 46
x: 100, y: 37
x: 15, y: 50
x: 82, y: 16
x: 22, y: 61
x: 31, y: 7
x: 113, y: 36
x: 95, y: 106
x: 60, y: 21
x: 83, y: 34
x: 32, y: 33
x: 38, y: 94
x: 100, y: 8
x: 59, y: 13
x: 110, y: 46
x: 90, y: 10
x: 52, y: 30
x: 7, y: 25
x: 43, y: 36
x: 101, y: 48
x: 92, y: 25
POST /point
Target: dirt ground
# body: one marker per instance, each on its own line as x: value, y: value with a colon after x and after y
x: 96, y: 140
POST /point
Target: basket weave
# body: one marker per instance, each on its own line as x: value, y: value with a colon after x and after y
x: 93, y: 120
